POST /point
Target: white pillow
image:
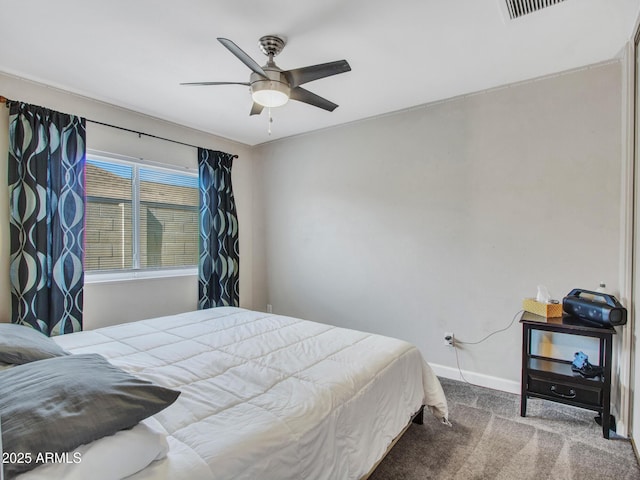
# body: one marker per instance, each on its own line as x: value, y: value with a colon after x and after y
x: 113, y: 457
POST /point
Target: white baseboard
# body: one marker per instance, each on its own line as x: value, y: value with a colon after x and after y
x: 479, y: 379
x: 621, y: 427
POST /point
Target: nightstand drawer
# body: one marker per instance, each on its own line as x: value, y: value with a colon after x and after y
x: 566, y: 391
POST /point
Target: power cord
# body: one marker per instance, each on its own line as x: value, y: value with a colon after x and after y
x: 492, y: 333
x: 480, y: 341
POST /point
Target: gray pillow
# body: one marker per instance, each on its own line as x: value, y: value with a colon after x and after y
x: 20, y: 344
x: 55, y: 405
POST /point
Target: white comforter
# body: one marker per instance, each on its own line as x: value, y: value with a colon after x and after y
x: 267, y: 396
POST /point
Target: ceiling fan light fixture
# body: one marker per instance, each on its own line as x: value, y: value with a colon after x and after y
x: 270, y: 93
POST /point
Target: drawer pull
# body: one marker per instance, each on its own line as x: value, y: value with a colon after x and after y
x: 571, y: 394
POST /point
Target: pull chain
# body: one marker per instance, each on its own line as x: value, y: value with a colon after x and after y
x: 270, y: 120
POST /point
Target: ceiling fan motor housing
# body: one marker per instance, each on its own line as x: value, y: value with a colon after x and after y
x: 271, y: 92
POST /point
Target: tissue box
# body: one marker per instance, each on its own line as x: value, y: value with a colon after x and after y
x: 542, y: 309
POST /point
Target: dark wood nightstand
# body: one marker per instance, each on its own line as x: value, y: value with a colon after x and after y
x: 552, y: 378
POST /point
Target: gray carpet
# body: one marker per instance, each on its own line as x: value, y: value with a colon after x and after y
x: 489, y: 440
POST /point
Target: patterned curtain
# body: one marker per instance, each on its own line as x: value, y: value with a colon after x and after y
x: 219, y: 251
x: 47, y: 197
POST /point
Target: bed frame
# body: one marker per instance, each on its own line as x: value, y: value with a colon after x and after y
x: 418, y: 419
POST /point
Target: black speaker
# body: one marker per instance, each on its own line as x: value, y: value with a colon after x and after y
x: 596, y: 307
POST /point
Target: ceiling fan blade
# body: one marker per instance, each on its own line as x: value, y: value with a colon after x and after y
x: 242, y: 56
x: 299, y: 76
x: 305, y: 96
x: 246, y: 84
x: 256, y: 109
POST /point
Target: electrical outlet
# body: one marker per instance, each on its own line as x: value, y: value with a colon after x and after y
x: 269, y: 308
x: 448, y: 339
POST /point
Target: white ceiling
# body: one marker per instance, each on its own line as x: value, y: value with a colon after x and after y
x: 134, y: 53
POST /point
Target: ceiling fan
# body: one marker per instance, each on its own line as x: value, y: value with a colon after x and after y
x: 272, y: 87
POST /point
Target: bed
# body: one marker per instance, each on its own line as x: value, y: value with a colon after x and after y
x: 265, y: 396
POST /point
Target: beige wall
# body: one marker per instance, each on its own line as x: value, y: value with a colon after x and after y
x: 440, y: 218
x: 443, y: 217
x: 115, y: 302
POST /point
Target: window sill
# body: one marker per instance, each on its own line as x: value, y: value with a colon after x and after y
x: 127, y: 276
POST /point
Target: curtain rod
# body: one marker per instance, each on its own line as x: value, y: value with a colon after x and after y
x: 5, y: 100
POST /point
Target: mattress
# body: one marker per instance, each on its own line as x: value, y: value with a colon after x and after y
x: 268, y: 396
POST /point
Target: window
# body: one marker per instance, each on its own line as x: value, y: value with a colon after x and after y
x: 139, y: 217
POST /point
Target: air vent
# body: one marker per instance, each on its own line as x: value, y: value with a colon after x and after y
x: 518, y: 8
